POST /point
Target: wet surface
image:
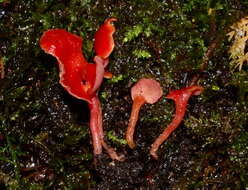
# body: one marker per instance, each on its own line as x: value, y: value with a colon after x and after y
x: 45, y: 141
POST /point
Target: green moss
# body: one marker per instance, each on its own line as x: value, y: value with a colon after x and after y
x: 133, y: 33
x: 104, y: 95
x: 116, y: 79
x: 115, y: 139
x: 215, y: 88
x: 144, y: 54
x: 240, y: 80
x: 240, y: 146
x: 147, y: 29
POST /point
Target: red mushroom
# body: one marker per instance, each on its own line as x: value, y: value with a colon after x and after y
x: 144, y: 91
x: 66, y: 47
x: 181, y: 98
x: 80, y: 78
x: 104, y: 43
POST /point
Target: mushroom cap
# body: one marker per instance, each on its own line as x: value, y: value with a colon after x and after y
x: 67, y: 48
x: 185, y: 93
x: 60, y: 43
x: 147, y: 88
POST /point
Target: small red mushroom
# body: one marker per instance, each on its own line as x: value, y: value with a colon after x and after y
x: 144, y: 91
x: 104, y: 43
x: 66, y: 47
x: 181, y: 98
x: 80, y: 78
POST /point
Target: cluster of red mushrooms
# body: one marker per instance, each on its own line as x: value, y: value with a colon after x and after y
x: 82, y: 80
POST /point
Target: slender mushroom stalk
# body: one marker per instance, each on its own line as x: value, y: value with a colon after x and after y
x: 181, y: 98
x: 80, y: 78
x: 96, y: 125
x: 97, y: 130
x: 144, y: 91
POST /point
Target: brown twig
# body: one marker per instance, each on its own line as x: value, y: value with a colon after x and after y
x: 210, y: 51
x: 2, y: 74
x: 206, y: 57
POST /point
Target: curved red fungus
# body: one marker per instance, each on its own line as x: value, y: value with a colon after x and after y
x: 66, y: 47
x: 80, y: 78
x: 104, y: 42
x: 181, y: 98
x: 144, y: 91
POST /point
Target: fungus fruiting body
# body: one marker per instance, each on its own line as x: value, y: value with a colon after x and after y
x: 144, y: 91
x: 80, y: 78
x: 104, y: 42
x: 181, y: 98
x: 66, y: 47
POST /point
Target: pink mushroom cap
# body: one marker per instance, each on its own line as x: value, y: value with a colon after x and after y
x: 149, y: 89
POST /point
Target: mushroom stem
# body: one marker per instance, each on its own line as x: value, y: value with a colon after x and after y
x: 97, y: 130
x: 137, y: 103
x: 96, y: 125
x: 180, y: 111
x: 181, y: 98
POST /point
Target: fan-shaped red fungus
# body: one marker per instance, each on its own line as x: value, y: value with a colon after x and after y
x: 144, y: 91
x: 66, y: 47
x: 80, y: 78
x: 181, y: 98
